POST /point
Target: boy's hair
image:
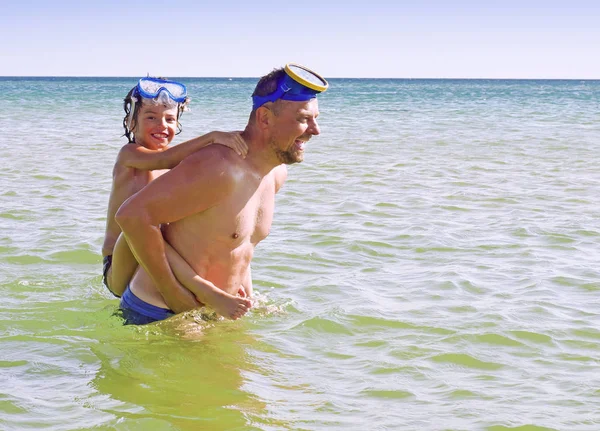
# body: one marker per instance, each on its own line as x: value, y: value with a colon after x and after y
x: 127, y: 103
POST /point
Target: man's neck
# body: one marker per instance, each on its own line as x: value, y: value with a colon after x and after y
x: 260, y: 155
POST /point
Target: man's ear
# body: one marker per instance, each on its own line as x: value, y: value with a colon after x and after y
x: 264, y: 117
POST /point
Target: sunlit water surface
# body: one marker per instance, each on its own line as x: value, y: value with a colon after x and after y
x: 434, y: 264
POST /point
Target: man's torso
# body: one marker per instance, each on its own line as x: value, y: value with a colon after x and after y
x: 219, y: 242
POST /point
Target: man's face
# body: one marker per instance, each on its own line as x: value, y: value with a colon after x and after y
x: 294, y: 124
x: 156, y: 125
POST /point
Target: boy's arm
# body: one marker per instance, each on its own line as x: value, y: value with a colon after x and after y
x: 123, y: 267
x: 138, y: 157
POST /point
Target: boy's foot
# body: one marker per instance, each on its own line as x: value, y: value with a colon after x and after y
x: 229, y: 306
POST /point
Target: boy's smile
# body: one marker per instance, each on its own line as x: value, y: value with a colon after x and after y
x: 156, y: 125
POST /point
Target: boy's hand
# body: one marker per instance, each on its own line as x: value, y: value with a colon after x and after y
x: 232, y: 140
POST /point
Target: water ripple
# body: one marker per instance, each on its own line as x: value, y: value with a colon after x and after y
x: 433, y: 265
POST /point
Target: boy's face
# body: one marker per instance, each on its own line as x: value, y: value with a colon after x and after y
x: 155, y: 126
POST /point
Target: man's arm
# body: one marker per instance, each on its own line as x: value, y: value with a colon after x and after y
x: 247, y: 284
x: 200, y: 182
x: 145, y: 159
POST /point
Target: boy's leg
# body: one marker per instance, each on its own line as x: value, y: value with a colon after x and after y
x: 226, y: 305
x: 123, y: 267
x: 106, y: 264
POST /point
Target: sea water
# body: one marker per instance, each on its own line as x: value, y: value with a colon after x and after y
x: 433, y: 264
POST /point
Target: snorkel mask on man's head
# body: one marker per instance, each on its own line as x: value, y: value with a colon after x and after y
x: 297, y: 84
x: 155, y: 91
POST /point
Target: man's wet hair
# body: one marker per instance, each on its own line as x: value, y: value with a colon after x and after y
x: 181, y: 106
x: 267, y: 85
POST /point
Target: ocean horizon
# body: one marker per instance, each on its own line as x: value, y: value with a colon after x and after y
x: 328, y: 78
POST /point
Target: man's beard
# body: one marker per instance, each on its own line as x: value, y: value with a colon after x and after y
x: 289, y: 156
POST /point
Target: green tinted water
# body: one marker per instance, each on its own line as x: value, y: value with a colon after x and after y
x: 433, y: 265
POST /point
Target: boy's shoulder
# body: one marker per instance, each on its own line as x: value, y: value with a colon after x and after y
x: 124, y: 157
x: 128, y: 152
x: 129, y: 147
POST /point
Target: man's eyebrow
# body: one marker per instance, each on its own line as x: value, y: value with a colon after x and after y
x: 307, y: 114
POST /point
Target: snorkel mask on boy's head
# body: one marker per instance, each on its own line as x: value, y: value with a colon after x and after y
x: 297, y: 84
x: 155, y: 91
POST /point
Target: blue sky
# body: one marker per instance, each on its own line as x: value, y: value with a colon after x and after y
x: 369, y: 38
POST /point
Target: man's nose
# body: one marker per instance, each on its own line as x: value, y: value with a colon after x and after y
x: 314, y: 128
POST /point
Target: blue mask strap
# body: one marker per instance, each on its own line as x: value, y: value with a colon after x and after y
x: 287, y: 89
x: 258, y: 101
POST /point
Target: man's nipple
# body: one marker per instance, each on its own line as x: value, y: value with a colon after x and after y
x: 235, y: 235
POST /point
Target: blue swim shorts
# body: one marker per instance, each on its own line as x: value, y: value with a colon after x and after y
x: 138, y: 312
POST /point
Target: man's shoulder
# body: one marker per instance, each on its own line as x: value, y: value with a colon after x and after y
x: 280, y: 174
x: 213, y: 154
x: 213, y: 161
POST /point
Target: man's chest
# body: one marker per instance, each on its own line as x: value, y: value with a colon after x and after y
x: 254, y: 220
x: 244, y: 216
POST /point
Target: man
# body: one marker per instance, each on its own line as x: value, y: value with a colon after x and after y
x: 215, y: 207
